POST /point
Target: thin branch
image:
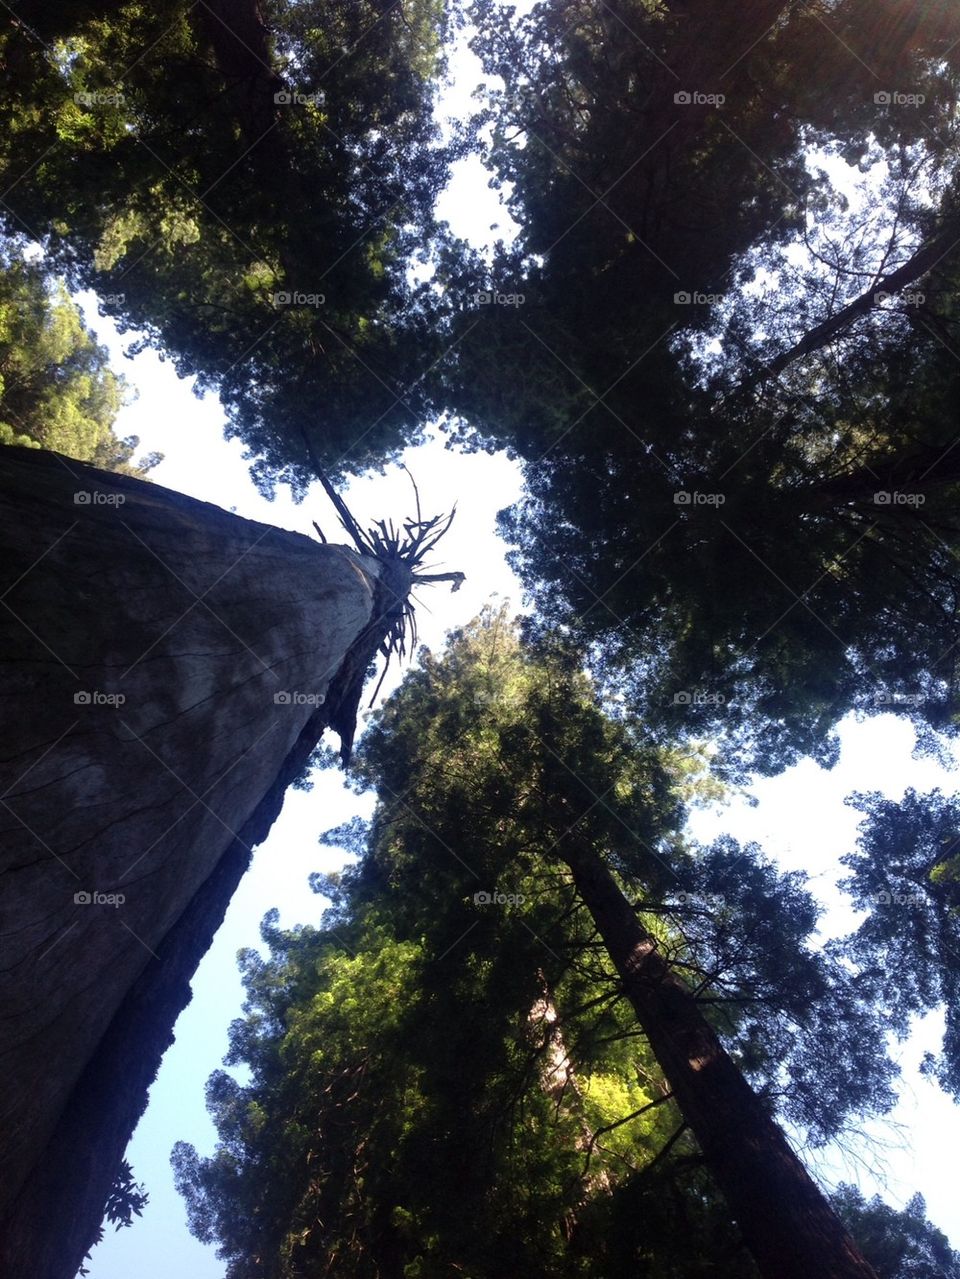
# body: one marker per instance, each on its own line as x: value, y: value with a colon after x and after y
x: 346, y: 519
x: 662, y: 1154
x: 923, y: 260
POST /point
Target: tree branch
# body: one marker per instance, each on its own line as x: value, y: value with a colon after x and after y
x: 923, y: 261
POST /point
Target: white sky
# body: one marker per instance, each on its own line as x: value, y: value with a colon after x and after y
x: 800, y: 819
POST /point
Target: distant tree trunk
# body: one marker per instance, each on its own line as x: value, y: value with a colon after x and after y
x: 786, y: 1222
x: 241, y: 46
x: 167, y: 668
x: 921, y: 469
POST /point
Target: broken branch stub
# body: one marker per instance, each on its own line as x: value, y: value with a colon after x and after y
x: 393, y: 628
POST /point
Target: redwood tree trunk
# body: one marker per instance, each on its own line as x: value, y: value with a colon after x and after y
x: 787, y: 1223
x: 165, y: 669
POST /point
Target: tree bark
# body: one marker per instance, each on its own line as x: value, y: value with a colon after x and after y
x: 166, y: 670
x: 786, y: 1222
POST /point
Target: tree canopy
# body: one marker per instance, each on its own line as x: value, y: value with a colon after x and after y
x: 446, y: 1073
x: 906, y: 874
x: 245, y: 187
x: 897, y: 1244
x: 727, y: 370
x: 732, y: 377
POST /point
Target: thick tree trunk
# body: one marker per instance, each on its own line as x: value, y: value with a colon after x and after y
x: 787, y: 1223
x: 166, y: 669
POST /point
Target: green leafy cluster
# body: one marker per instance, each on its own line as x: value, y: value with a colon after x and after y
x: 57, y: 390
x: 247, y: 197
x: 715, y: 529
x: 444, y: 1075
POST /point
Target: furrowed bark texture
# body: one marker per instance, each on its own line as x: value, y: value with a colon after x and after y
x: 167, y: 668
x: 787, y: 1224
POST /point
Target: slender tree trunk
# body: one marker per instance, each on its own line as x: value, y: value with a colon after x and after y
x: 787, y: 1224
x: 165, y: 670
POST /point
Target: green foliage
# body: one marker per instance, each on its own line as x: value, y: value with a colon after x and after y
x: 445, y: 1073
x: 908, y: 946
x: 57, y: 390
x: 400, y: 1114
x: 715, y: 532
x: 899, y: 1245
x: 403, y: 1109
x: 126, y: 1200
x: 249, y: 197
